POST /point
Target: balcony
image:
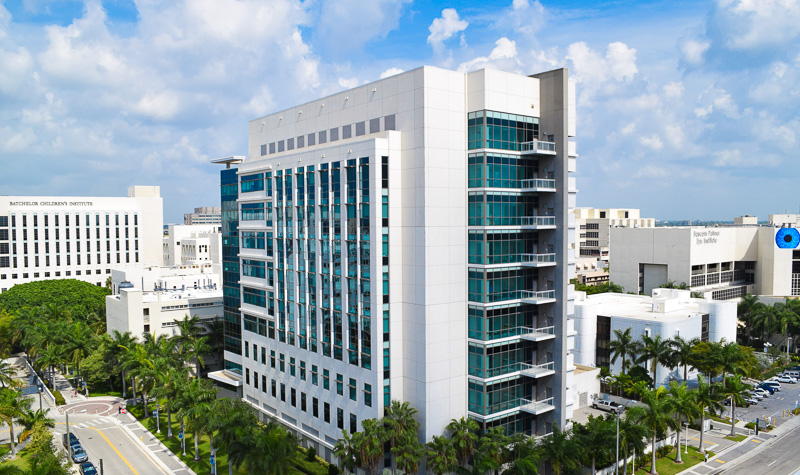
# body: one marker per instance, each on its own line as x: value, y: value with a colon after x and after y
x: 538, y: 334
x: 538, y: 222
x: 538, y: 184
x: 539, y: 260
x: 538, y: 147
x: 538, y: 371
x: 538, y: 297
x: 536, y: 407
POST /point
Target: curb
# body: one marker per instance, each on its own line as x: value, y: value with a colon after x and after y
x: 160, y: 444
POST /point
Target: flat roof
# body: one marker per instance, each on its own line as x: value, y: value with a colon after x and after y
x: 178, y: 294
x: 639, y: 307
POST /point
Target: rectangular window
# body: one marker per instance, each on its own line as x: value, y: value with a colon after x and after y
x: 353, y: 389
x: 303, y: 402
x: 263, y: 384
x: 255, y: 379
x: 283, y: 392
x: 253, y: 182
x: 253, y: 268
x: 263, y: 355
x: 252, y: 240
x: 326, y: 412
x: 323, y: 136
x: 326, y: 379
x: 274, y: 388
x: 340, y: 418
x: 315, y: 407
x: 353, y: 424
x: 294, y: 397
x: 254, y: 296
x: 374, y: 125
x: 301, y: 141
x: 335, y: 134
x: 247, y: 376
x: 368, y: 395
x: 360, y: 129
x: 291, y: 366
x: 314, y: 375
x: 272, y: 358
x: 282, y: 363
x: 302, y: 370
x: 339, y: 384
x: 252, y: 211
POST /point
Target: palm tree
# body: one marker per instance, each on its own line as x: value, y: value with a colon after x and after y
x: 400, y: 424
x: 463, y: 434
x: 632, y: 434
x: 272, y: 449
x: 80, y: 341
x: 441, y: 455
x: 655, y: 350
x: 657, y: 417
x: 190, y: 404
x: 121, y: 341
x: 685, y: 406
x: 524, y: 458
x: 622, y: 345
x: 706, y: 398
x: 682, y: 353
x: 765, y: 319
x: 189, y: 327
x: 746, y: 310
x: 194, y: 349
x: 347, y: 452
x: 6, y: 374
x: 492, y: 450
x: 594, y: 437
x: 734, y: 389
x: 369, y: 444
x: 233, y: 421
x: 30, y: 418
x: 168, y: 383
x: 562, y: 450
x: 408, y: 454
x: 12, y: 407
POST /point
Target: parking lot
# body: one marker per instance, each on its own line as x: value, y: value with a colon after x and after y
x: 773, y: 406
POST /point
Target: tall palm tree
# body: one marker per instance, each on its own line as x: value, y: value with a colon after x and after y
x: 682, y: 353
x: 347, y: 452
x: 369, y: 444
x: 194, y: 349
x: 441, y: 455
x: 656, y: 351
x: 30, y: 418
x: 121, y: 341
x: 463, y: 434
x: 622, y: 345
x: 408, y: 453
x: 562, y: 450
x: 168, y: 383
x: 272, y: 449
x: 400, y: 424
x: 657, y: 417
x: 190, y: 327
x: 765, y: 319
x: 632, y: 434
x: 233, y: 421
x: 685, y: 406
x: 13, y: 406
x: 524, y: 458
x: 80, y: 341
x: 190, y: 404
x: 732, y: 360
x: 706, y: 399
x: 594, y: 437
x: 492, y: 451
x: 6, y: 374
x: 746, y: 309
x: 734, y: 389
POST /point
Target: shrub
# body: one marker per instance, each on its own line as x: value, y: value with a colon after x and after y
x: 60, y: 401
x: 333, y: 469
x: 663, y: 451
x: 311, y: 454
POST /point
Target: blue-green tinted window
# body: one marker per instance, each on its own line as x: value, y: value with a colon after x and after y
x: 499, y: 170
x: 501, y: 246
x: 254, y: 296
x: 496, y: 285
x: 486, y: 399
x: 256, y: 325
x: 489, y: 129
x: 253, y: 268
x: 252, y: 240
x: 503, y: 321
x: 252, y: 211
x: 253, y: 182
x: 500, y: 208
x: 497, y: 360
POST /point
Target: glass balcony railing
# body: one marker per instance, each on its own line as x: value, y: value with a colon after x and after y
x: 536, y: 407
x: 538, y: 184
x: 538, y: 296
x: 538, y: 221
x: 538, y: 334
x: 537, y: 260
x: 538, y: 370
x: 538, y: 146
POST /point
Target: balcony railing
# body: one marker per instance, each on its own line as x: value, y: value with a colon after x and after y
x: 538, y: 297
x: 539, y: 370
x: 536, y: 407
x: 538, y: 334
x: 539, y: 260
x: 538, y: 221
x: 538, y: 146
x: 539, y: 184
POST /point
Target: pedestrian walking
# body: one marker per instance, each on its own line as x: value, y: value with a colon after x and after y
x: 706, y: 454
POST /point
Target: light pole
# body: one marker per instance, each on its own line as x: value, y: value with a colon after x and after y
x: 685, y: 439
x: 158, y: 420
x: 788, y: 345
x: 183, y: 439
x: 41, y: 390
x: 213, y: 460
x: 616, y: 467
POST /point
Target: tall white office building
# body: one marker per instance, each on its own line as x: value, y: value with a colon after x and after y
x: 406, y: 240
x: 67, y: 237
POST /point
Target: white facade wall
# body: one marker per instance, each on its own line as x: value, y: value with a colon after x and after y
x: 42, y: 240
x: 187, y: 245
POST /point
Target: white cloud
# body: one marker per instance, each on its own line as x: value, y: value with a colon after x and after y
x: 674, y: 89
x: 348, y: 83
x: 653, y: 141
x: 346, y: 25
x: 755, y: 24
x: 652, y: 171
x: 503, y: 56
x: 444, y: 27
x: 594, y: 71
x: 390, y: 72
x: 693, y: 50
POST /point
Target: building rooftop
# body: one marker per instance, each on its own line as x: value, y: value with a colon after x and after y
x: 178, y: 294
x: 643, y: 307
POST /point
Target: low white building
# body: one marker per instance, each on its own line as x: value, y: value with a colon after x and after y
x: 668, y: 313
x: 149, y: 300
x: 723, y: 262
x: 187, y: 245
x: 204, y: 215
x: 594, y: 225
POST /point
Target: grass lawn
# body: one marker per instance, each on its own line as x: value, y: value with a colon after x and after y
x: 203, y: 466
x: 737, y: 438
x: 20, y: 462
x: 667, y: 466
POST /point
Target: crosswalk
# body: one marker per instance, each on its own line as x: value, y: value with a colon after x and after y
x: 99, y: 424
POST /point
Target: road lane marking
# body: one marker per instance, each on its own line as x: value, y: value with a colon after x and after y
x: 720, y: 461
x: 772, y: 463
x: 117, y: 451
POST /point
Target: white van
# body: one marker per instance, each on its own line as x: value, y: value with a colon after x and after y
x: 792, y: 373
x: 774, y: 384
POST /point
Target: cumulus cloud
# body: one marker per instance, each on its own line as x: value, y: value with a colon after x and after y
x: 693, y: 50
x: 503, y: 56
x: 390, y: 72
x: 346, y: 25
x: 756, y: 24
x: 444, y: 27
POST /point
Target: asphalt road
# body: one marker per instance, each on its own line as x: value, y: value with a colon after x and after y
x: 772, y: 406
x: 103, y: 438
x: 780, y: 458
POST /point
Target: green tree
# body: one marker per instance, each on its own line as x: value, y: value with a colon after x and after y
x: 190, y: 401
x: 13, y: 406
x: 30, y: 418
x: 369, y: 444
x: 685, y: 406
x: 632, y: 434
x: 562, y: 450
x: 656, y: 351
x: 347, y: 452
x: 233, y: 422
x: 657, y: 417
x: 621, y: 346
x: 706, y: 399
x: 492, y: 451
x: 69, y: 295
x: 400, y: 424
x: 682, y: 353
x: 464, y: 437
x: 595, y: 437
x: 272, y: 449
x: 408, y: 454
x: 441, y: 455
x: 80, y: 341
x: 525, y: 457
x: 745, y: 310
x: 734, y: 389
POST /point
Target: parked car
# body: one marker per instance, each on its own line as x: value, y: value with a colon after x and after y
x: 762, y: 392
x: 756, y: 395
x: 785, y: 379
x: 78, y: 454
x: 792, y: 374
x: 752, y: 401
x: 727, y: 402
x: 609, y: 406
x: 766, y: 387
x: 69, y: 442
x: 774, y: 384
x: 87, y: 468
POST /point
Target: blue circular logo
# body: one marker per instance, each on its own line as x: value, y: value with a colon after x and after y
x: 787, y: 238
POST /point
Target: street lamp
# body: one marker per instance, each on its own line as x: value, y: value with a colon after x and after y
x: 788, y: 345
x: 183, y: 439
x: 685, y: 439
x: 213, y: 461
x: 158, y: 420
x: 41, y: 390
x: 616, y: 467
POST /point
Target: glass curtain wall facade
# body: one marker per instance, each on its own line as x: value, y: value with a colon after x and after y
x: 230, y: 266
x: 511, y: 271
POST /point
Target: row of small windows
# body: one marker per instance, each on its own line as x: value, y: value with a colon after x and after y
x: 331, y: 135
x: 56, y: 218
x: 8, y: 261
x: 47, y: 274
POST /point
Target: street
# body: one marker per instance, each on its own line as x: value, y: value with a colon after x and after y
x: 772, y: 406
x: 779, y: 458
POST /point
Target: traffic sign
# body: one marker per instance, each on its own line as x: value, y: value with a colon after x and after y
x: 124, y: 411
x: 155, y: 414
x: 213, y: 460
x: 180, y: 435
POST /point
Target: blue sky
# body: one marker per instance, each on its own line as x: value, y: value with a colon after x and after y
x: 686, y: 109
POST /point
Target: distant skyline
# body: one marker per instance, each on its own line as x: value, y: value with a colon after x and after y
x: 686, y: 109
